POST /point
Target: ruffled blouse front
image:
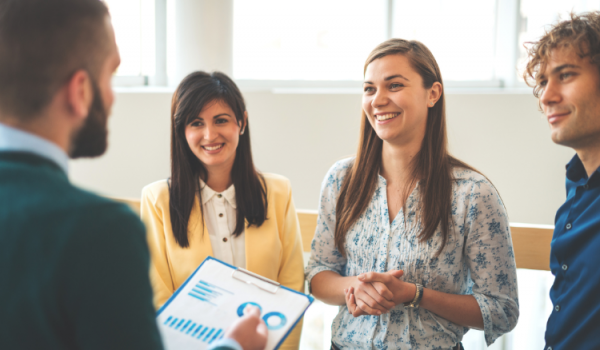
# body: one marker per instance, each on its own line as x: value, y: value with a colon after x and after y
x: 478, y: 259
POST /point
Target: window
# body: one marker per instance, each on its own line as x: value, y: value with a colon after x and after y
x: 330, y: 40
x: 537, y: 15
x: 477, y: 43
x: 460, y: 34
x: 133, y: 22
x: 305, y: 40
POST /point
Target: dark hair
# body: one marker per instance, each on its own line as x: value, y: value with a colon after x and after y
x: 193, y: 93
x: 42, y: 44
x: 580, y: 32
x: 432, y: 166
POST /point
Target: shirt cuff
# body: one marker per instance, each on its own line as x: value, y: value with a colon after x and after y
x: 227, y: 343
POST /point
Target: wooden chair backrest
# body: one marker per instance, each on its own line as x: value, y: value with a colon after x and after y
x: 531, y: 243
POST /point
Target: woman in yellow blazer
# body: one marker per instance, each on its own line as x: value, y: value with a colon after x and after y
x: 215, y: 203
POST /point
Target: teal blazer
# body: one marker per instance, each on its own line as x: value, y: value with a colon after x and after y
x: 73, y: 265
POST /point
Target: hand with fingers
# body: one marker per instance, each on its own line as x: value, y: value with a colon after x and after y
x: 366, y: 298
x: 250, y: 331
x: 351, y: 303
x: 401, y: 292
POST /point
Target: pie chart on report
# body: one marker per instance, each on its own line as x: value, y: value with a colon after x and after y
x: 274, y: 320
x: 240, y: 310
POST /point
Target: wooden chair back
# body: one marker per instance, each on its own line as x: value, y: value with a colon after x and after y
x: 531, y: 243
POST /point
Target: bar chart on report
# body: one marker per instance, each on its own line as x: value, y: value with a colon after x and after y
x: 204, y: 333
x: 208, y: 293
x: 216, y: 296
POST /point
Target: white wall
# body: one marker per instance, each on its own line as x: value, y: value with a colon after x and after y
x: 301, y: 135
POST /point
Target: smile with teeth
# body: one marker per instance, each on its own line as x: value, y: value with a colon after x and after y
x: 214, y: 148
x: 382, y: 117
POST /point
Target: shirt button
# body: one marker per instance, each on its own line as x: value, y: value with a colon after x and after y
x: 568, y: 227
x: 565, y: 267
x: 557, y: 308
x: 224, y: 239
x: 221, y: 215
x: 219, y: 195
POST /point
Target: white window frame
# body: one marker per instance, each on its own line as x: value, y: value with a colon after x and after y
x: 160, y: 76
x: 505, y: 61
x: 506, y: 56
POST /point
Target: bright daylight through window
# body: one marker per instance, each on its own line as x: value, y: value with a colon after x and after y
x: 536, y: 15
x: 305, y: 40
x: 461, y: 34
x: 133, y: 21
x: 330, y: 40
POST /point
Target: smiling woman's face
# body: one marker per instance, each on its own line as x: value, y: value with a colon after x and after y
x: 395, y: 101
x: 213, y: 136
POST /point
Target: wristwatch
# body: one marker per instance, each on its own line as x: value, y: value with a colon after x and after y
x: 417, y: 300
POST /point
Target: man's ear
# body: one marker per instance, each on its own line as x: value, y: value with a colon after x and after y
x: 79, y: 94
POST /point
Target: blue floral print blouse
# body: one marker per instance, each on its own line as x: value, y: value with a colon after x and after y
x: 478, y: 260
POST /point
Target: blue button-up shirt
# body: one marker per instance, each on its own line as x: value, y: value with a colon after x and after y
x: 575, y: 261
x: 16, y: 140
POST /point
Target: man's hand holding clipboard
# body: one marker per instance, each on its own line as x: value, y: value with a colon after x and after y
x: 217, y: 296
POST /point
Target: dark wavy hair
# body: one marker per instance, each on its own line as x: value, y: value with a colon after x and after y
x: 196, y: 91
x: 580, y: 32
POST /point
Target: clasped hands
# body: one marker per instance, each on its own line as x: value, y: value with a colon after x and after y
x: 376, y: 293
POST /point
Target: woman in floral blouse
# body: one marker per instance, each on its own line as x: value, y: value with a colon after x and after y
x: 413, y: 243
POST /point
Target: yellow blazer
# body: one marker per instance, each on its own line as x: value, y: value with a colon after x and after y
x: 273, y: 250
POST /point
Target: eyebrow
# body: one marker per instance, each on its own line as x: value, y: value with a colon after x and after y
x: 390, y: 78
x: 216, y: 116
x: 559, y: 68
x: 396, y: 76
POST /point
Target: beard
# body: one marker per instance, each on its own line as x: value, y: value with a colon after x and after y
x: 91, y: 139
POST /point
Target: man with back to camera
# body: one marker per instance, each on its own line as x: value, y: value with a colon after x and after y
x: 565, y: 65
x: 73, y: 266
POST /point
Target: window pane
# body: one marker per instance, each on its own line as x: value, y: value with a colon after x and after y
x: 539, y: 15
x: 459, y: 33
x: 133, y: 22
x: 305, y: 40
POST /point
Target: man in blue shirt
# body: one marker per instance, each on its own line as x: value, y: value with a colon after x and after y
x: 564, y: 68
x: 73, y: 265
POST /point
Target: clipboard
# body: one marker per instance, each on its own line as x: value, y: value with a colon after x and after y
x: 215, y: 295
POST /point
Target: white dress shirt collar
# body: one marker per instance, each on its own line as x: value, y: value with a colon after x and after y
x: 12, y: 139
x: 208, y: 193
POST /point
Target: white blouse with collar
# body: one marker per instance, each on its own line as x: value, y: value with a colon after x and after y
x: 220, y: 215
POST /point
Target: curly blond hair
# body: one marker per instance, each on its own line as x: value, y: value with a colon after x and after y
x: 580, y: 32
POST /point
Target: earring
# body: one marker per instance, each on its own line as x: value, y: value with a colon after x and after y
x: 242, y: 132
x: 431, y: 104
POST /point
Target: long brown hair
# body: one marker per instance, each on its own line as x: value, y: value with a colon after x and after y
x: 193, y: 93
x: 432, y: 166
